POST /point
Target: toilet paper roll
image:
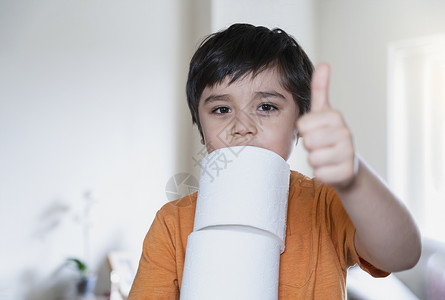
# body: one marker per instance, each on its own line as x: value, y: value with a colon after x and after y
x: 222, y: 264
x: 243, y: 185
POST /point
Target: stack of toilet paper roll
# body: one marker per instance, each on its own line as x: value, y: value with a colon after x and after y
x: 240, y: 226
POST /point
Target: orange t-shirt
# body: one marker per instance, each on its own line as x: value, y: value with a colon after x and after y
x: 319, y: 246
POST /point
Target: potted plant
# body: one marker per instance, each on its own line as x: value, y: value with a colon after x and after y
x: 87, y: 282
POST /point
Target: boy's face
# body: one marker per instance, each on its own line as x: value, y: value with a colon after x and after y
x: 251, y: 111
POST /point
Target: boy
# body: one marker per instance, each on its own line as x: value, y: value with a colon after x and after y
x: 253, y: 86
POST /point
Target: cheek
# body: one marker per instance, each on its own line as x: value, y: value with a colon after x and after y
x: 205, y: 124
x: 209, y: 129
x: 284, y: 131
x: 281, y: 140
x: 288, y: 138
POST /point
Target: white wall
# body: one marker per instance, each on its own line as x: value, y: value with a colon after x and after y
x: 88, y: 100
x: 296, y: 17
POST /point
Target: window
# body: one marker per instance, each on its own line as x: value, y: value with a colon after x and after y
x: 416, y: 129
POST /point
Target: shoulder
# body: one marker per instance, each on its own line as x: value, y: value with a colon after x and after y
x: 299, y: 181
x: 305, y: 189
x: 180, y: 210
x: 181, y: 203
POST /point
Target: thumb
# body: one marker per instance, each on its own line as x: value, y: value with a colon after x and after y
x: 320, y: 88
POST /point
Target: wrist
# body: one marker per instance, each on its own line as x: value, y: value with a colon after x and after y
x: 352, y: 182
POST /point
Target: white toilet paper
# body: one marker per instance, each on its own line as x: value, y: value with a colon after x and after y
x: 244, y: 185
x: 230, y: 265
x: 240, y: 226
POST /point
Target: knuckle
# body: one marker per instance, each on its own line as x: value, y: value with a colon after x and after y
x: 302, y: 124
x: 345, y: 133
x: 337, y: 118
x: 308, y: 142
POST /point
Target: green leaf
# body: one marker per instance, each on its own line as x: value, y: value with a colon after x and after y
x: 81, y: 266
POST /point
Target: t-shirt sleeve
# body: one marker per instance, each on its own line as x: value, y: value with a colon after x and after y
x: 156, y: 276
x: 342, y: 232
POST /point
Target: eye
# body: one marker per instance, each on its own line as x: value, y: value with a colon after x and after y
x: 221, y: 110
x: 267, y: 107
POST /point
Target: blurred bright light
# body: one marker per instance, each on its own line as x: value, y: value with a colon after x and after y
x: 416, y: 133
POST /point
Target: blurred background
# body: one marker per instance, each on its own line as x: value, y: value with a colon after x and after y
x: 95, y: 129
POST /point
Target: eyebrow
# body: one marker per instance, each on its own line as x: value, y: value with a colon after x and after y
x: 269, y: 94
x: 212, y: 98
x: 258, y: 95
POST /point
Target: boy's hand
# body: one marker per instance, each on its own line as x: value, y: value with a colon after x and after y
x: 326, y: 136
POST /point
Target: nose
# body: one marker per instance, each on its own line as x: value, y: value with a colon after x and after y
x: 243, y: 125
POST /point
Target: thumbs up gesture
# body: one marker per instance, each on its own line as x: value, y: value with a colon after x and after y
x: 326, y: 136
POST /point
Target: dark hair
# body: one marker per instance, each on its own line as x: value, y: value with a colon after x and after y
x: 243, y: 49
